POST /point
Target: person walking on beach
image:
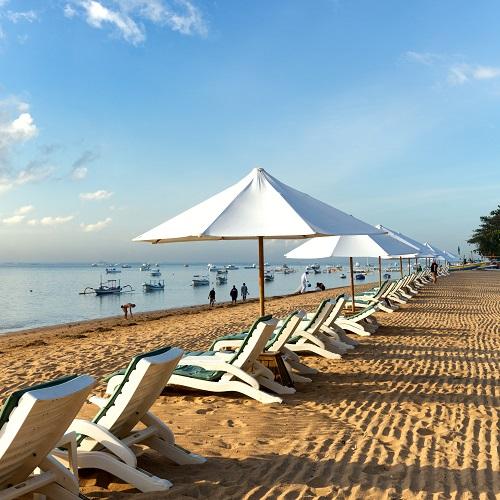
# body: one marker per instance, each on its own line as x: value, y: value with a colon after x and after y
x: 434, y: 271
x: 127, y: 309
x: 304, y: 282
x: 211, y: 297
x: 234, y: 295
x: 244, y: 292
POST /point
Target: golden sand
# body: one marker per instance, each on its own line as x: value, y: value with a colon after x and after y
x: 410, y: 413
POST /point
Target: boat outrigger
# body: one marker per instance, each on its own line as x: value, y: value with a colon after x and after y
x: 154, y: 285
x: 110, y: 287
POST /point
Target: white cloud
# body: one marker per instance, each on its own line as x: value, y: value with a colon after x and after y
x: 57, y: 220
x: 101, y: 194
x: 26, y: 209
x: 458, y: 73
x: 97, y: 226
x: 14, y: 219
x: 15, y: 17
x: 34, y: 173
x: 79, y: 173
x: 32, y: 222
x: 127, y: 16
x: 17, y: 130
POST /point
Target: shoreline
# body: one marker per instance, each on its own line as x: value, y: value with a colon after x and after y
x: 100, y: 325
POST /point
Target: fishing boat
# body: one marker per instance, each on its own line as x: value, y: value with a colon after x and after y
x: 112, y: 270
x: 360, y: 276
x: 221, y: 277
x: 186, y: 265
x: 314, y: 268
x: 387, y: 276
x: 268, y: 276
x: 199, y: 280
x: 212, y: 268
x: 110, y: 287
x: 155, y: 272
x: 343, y: 276
x: 154, y: 285
x: 126, y: 266
x: 249, y: 267
x: 231, y: 267
x: 145, y: 267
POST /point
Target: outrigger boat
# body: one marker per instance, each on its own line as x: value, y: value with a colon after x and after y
x: 249, y: 267
x: 145, y: 267
x: 221, y: 277
x: 154, y: 285
x: 200, y: 280
x: 268, y: 276
x: 112, y: 270
x: 110, y: 287
x: 155, y: 272
x: 231, y: 267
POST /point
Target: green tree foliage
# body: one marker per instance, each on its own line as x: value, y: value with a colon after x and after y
x: 487, y: 236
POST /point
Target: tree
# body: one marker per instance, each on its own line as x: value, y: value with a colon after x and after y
x: 487, y: 236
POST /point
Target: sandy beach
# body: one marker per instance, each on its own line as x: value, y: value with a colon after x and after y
x: 411, y: 413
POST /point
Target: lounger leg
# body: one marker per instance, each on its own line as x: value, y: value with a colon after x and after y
x: 164, y: 443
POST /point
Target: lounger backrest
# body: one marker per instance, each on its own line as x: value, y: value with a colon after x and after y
x: 382, y: 289
x: 286, y: 331
x: 336, y: 310
x: 144, y: 380
x: 254, y: 343
x: 32, y: 422
x: 324, y: 309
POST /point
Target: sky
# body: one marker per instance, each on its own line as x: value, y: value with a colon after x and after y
x: 116, y: 115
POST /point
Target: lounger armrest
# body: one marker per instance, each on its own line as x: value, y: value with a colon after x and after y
x: 217, y: 364
x: 69, y: 442
x: 312, y: 338
x: 105, y: 438
x: 113, y: 383
x: 100, y: 402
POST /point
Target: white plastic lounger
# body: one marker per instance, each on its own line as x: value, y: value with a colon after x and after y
x: 309, y: 338
x: 233, y: 372
x: 32, y: 423
x: 108, y: 441
x: 276, y: 343
x: 356, y: 323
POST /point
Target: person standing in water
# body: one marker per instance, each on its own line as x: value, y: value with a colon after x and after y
x: 234, y: 295
x: 211, y: 297
x: 304, y: 283
x: 244, y: 291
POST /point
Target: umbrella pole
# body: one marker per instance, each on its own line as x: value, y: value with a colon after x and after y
x: 352, y: 284
x: 401, y: 265
x: 379, y: 270
x: 409, y: 266
x: 261, y: 274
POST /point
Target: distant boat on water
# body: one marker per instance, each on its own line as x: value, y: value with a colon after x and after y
x: 110, y: 287
x: 360, y: 277
x: 112, y: 270
x: 126, y: 266
x: 231, y: 267
x: 199, y: 280
x: 268, y: 276
x: 145, y: 267
x: 154, y: 286
x: 253, y: 266
x: 155, y: 272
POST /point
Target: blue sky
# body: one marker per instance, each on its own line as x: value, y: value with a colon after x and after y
x: 117, y: 114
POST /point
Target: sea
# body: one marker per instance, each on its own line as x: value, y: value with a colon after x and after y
x: 35, y: 295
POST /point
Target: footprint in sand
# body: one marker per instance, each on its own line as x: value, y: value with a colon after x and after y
x: 375, y: 469
x: 424, y: 432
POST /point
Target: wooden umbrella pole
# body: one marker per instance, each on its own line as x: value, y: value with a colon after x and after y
x: 261, y: 275
x: 409, y: 266
x: 379, y: 270
x: 352, y: 284
x: 401, y: 265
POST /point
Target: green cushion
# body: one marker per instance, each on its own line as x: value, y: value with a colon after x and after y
x: 197, y: 371
x: 317, y: 313
x: 13, y: 399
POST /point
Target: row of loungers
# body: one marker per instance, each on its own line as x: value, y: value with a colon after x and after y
x: 43, y: 444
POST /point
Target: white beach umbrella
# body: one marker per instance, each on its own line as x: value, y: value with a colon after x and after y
x: 257, y: 207
x: 382, y: 246
x: 439, y: 254
x: 422, y: 250
x: 452, y: 257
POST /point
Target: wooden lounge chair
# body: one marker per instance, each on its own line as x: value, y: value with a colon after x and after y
x: 33, y: 422
x: 233, y: 372
x: 108, y: 442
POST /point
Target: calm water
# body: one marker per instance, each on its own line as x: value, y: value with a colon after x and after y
x: 40, y: 295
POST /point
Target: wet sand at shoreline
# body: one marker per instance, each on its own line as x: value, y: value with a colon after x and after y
x: 411, y: 413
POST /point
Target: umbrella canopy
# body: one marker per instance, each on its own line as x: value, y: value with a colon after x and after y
x: 439, y: 254
x: 375, y: 245
x: 257, y: 207
x: 452, y: 257
x: 420, y: 248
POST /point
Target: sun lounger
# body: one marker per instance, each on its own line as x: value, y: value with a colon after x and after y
x: 33, y: 422
x: 309, y: 338
x: 337, y: 335
x: 233, y: 372
x: 276, y: 343
x: 358, y: 322
x: 108, y: 442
